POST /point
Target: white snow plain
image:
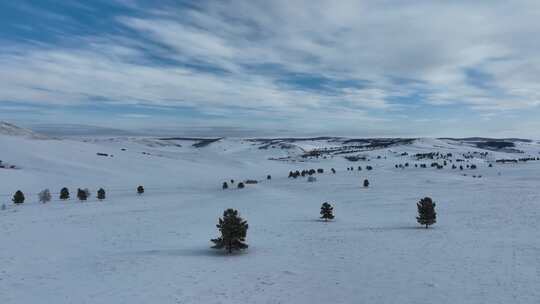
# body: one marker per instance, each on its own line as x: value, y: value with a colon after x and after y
x: 155, y: 248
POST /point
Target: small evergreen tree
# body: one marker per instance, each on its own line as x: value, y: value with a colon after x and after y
x: 64, y: 194
x: 269, y: 177
x: 140, y: 190
x: 426, y: 212
x: 240, y: 185
x: 18, y: 197
x: 225, y: 185
x: 81, y: 195
x: 233, y: 231
x: 101, y: 194
x: 327, y: 211
x: 44, y: 196
x: 366, y: 183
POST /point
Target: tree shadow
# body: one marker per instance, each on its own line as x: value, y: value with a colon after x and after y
x: 392, y: 228
x: 313, y: 220
x: 191, y: 252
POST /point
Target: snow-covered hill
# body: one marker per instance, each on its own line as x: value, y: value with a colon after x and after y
x: 13, y: 130
x: 154, y: 248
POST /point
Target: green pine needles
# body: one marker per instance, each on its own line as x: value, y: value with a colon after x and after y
x: 327, y: 212
x: 101, y: 194
x: 64, y: 194
x: 233, y: 231
x: 18, y: 197
x: 426, y: 212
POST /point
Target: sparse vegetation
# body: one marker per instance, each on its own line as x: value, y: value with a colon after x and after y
x: 18, y: 197
x: 140, y: 190
x: 64, y: 194
x: 82, y: 195
x: 101, y: 194
x: 44, y: 196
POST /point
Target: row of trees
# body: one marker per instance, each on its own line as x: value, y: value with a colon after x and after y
x: 233, y: 228
x: 82, y: 194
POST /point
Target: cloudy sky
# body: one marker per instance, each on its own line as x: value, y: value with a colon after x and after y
x: 363, y: 68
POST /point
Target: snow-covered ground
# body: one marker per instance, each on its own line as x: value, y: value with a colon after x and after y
x: 155, y: 248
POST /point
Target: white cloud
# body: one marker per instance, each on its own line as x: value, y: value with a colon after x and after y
x: 428, y: 46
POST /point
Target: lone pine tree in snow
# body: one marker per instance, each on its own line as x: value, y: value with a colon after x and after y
x: 140, y: 190
x: 233, y: 231
x: 240, y: 185
x: 225, y: 185
x: 327, y: 211
x: 81, y: 194
x: 426, y: 212
x: 64, y: 194
x: 44, y: 196
x: 101, y: 194
x: 18, y: 197
x: 366, y: 183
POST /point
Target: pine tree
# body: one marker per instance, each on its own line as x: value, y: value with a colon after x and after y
x: 140, y: 190
x: 225, y: 185
x: 81, y: 194
x: 101, y: 194
x: 327, y: 211
x: 18, y: 197
x: 240, y: 185
x: 426, y: 212
x: 269, y: 177
x: 44, y: 196
x: 233, y: 231
x: 366, y: 183
x: 64, y: 194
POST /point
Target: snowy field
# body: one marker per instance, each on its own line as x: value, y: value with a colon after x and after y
x: 155, y: 248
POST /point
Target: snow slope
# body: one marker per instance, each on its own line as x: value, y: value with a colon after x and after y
x: 154, y: 248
